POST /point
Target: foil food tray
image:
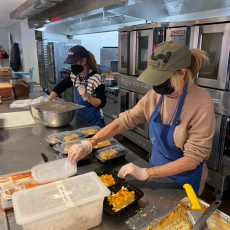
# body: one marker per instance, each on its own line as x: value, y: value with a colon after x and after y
x: 217, y: 221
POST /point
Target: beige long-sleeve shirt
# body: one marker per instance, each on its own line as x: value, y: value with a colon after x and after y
x: 195, y: 132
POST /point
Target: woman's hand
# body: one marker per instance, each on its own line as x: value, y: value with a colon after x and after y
x: 131, y: 169
x: 83, y: 92
x: 78, y: 151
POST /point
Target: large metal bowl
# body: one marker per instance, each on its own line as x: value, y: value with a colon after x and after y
x: 56, y: 120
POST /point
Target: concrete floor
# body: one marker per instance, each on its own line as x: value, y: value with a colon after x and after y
x: 206, y: 196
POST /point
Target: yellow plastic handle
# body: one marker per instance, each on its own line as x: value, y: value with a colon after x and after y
x: 192, y: 196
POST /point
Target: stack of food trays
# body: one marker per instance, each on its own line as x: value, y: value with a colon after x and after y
x: 111, y: 152
x: 128, y: 194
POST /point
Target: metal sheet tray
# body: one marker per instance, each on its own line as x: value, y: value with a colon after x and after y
x: 217, y: 221
x: 122, y: 151
x: 62, y: 146
x: 49, y: 138
x: 138, y: 195
x: 81, y: 135
x: 114, y: 173
x: 112, y: 141
x: 91, y: 127
x: 57, y: 106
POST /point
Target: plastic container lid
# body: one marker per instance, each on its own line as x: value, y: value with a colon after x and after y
x: 90, y: 127
x: 79, y: 133
x: 51, y: 137
x: 63, y: 145
x: 53, y: 171
x: 42, y: 201
x: 121, y: 152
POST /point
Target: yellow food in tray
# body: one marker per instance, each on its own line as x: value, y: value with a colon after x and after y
x: 121, y: 199
x: 90, y: 131
x: 71, y: 137
x: 107, y: 154
x: 108, y: 180
x: 67, y: 147
x: 178, y: 219
x: 53, y: 140
x: 103, y: 143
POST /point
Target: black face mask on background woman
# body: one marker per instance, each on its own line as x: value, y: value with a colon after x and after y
x: 76, y: 69
x: 164, y: 89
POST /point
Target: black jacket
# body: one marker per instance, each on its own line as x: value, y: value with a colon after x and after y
x: 15, y: 62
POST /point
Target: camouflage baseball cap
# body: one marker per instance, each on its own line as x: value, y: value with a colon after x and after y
x: 164, y: 61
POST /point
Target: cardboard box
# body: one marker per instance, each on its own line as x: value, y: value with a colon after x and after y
x: 5, y: 73
x: 6, y: 92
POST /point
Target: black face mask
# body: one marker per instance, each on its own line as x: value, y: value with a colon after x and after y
x: 76, y: 69
x: 164, y: 88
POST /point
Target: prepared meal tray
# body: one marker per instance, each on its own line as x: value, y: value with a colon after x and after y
x: 111, y: 152
x: 106, y: 143
x: 90, y: 131
x: 52, y: 138
x: 110, y: 178
x: 176, y: 217
x: 72, y: 135
x: 62, y: 156
x: 124, y: 201
x: 64, y: 147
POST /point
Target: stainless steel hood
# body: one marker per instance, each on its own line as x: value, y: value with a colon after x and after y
x: 90, y: 16
x: 32, y: 7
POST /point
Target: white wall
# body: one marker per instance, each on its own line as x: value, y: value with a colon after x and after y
x: 3, y: 42
x: 54, y: 37
x: 29, y: 49
x: 25, y: 37
x: 94, y: 42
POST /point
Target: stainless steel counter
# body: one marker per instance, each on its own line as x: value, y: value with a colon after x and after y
x: 21, y: 149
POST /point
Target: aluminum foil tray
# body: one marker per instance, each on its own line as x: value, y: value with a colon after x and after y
x: 60, y: 138
x: 218, y: 220
x: 57, y: 106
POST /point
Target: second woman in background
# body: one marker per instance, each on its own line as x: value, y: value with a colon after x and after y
x: 89, y: 89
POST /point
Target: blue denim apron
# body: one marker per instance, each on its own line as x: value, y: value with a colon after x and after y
x: 164, y: 150
x: 90, y: 113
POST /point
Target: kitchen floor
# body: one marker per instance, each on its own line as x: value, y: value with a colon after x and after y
x: 206, y: 196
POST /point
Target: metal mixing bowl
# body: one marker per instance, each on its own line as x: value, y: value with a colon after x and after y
x: 56, y: 120
x: 108, y: 81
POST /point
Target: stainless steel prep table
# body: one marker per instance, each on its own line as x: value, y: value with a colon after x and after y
x: 21, y: 149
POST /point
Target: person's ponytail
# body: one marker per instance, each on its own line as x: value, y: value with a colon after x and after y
x: 91, y: 62
x: 198, y: 58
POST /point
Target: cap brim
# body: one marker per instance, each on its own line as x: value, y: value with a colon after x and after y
x: 69, y: 60
x: 154, y: 77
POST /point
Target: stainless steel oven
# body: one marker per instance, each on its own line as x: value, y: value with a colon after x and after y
x: 144, y: 50
x: 143, y: 127
x: 130, y: 91
x: 214, y: 39
x: 181, y: 34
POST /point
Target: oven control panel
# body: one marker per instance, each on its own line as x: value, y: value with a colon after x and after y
x: 131, y: 83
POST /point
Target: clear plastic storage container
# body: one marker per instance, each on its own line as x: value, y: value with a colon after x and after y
x: 72, y: 204
x: 53, y: 170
